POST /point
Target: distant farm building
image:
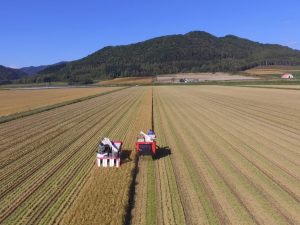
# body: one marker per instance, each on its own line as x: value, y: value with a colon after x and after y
x: 287, y: 76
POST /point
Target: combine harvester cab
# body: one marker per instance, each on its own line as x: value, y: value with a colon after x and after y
x: 146, y: 143
x: 109, y: 153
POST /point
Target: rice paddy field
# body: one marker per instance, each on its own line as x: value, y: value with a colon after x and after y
x: 227, y: 155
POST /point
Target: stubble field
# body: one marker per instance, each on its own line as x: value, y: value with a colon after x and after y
x: 235, y: 154
x: 227, y: 155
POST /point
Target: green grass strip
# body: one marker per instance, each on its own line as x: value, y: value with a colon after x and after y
x: 151, y: 196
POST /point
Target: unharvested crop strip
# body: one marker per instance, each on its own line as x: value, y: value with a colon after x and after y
x: 54, y: 171
x: 120, y: 115
x: 45, y: 119
x: 56, y: 134
x: 5, y: 119
x: 11, y: 171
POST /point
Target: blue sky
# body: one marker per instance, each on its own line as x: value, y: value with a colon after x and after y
x: 36, y: 32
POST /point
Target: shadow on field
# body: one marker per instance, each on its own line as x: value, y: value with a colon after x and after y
x: 125, y: 156
x: 162, y: 152
x: 131, y: 192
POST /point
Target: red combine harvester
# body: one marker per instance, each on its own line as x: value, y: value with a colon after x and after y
x: 146, y: 143
x: 109, y: 153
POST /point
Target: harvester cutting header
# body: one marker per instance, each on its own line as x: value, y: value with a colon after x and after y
x: 109, y: 152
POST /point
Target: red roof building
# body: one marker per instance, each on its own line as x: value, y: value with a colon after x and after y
x: 287, y: 76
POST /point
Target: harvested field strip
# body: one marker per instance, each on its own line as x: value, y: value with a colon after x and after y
x: 44, y: 102
x: 278, y: 157
x: 157, y: 199
x: 266, y: 156
x: 39, y: 190
x: 169, y: 205
x: 139, y: 212
x: 105, y: 194
x: 144, y: 210
x: 239, y: 167
x: 255, y: 109
x: 219, y: 153
x: 197, y: 207
x: 151, y: 181
x: 151, y: 194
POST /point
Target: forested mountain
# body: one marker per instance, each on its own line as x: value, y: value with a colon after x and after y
x: 192, y: 52
x: 8, y: 74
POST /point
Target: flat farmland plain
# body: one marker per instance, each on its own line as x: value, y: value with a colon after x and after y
x: 235, y: 154
x: 19, y: 100
x: 227, y: 155
x: 45, y: 158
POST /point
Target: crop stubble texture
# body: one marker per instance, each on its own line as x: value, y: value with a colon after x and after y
x: 234, y: 159
x: 235, y: 153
